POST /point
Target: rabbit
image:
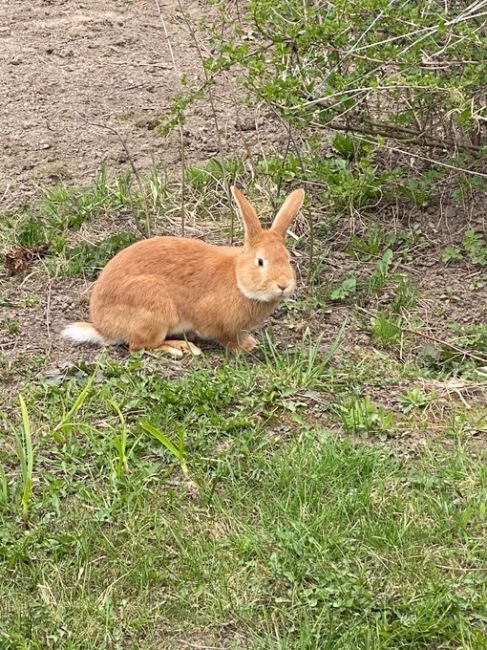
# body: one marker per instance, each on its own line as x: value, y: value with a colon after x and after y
x: 162, y: 287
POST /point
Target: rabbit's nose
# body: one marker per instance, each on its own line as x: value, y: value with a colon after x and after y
x: 283, y: 287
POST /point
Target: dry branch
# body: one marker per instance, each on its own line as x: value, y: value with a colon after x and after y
x: 144, y: 232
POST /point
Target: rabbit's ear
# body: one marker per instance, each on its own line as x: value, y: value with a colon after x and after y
x: 253, y: 229
x: 288, y: 211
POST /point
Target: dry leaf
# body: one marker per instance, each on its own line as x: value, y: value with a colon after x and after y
x: 20, y: 259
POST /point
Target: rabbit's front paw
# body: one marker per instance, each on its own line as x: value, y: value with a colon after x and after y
x: 242, y: 343
x: 248, y: 344
x: 245, y: 343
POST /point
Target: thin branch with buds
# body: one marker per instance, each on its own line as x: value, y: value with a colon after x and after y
x: 209, y: 83
x: 180, y: 126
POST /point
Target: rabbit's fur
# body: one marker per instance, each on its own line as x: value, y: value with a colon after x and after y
x: 165, y: 286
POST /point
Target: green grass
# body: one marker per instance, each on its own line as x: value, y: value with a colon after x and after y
x: 474, y: 249
x: 360, y: 416
x: 386, y: 330
x: 89, y: 259
x: 214, y: 173
x: 25, y: 454
x: 285, y: 536
x: 61, y: 211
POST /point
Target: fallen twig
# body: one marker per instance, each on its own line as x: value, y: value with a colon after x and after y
x: 430, y: 337
x: 446, y: 344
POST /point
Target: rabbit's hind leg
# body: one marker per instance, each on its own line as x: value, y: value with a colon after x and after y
x: 149, y: 330
x: 149, y: 337
x: 173, y: 347
x: 178, y: 348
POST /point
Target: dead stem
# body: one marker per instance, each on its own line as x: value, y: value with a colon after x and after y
x: 180, y: 126
x: 144, y: 232
x: 430, y: 337
x: 209, y: 82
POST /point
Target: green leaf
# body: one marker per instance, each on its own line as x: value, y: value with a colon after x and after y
x: 163, y: 439
x: 347, y: 288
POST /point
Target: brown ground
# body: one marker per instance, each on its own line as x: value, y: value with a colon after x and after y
x: 66, y: 65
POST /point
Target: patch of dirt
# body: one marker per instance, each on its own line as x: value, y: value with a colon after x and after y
x: 66, y: 66
x: 34, y: 309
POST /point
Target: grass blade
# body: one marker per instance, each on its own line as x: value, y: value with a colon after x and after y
x: 26, y: 457
x: 335, y: 346
x: 78, y: 403
x: 27, y: 434
x: 178, y: 453
x: 120, y: 440
x: 3, y: 487
x: 162, y: 438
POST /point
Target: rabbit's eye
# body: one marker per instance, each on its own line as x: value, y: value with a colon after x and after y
x: 260, y: 261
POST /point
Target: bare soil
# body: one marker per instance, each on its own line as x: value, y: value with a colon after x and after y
x: 68, y: 69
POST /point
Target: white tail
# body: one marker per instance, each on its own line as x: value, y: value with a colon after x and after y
x: 83, y: 333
